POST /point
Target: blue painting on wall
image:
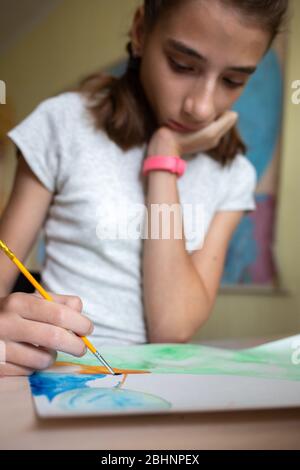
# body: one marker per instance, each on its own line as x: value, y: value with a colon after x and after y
x: 250, y: 256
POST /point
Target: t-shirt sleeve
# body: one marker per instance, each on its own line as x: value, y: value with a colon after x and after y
x: 37, y: 138
x: 241, y: 182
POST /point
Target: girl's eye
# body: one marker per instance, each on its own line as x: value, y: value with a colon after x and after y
x: 232, y: 84
x: 179, y: 67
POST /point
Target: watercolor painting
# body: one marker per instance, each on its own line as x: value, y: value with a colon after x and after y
x: 250, y: 257
x: 168, y: 378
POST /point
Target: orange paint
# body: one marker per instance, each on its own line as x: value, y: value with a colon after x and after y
x: 123, y: 380
x: 96, y: 370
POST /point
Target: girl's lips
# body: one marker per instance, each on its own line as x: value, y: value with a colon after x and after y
x: 178, y: 127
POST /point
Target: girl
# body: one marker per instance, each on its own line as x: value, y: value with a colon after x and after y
x: 85, y: 154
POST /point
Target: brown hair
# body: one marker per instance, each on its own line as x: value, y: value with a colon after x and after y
x: 119, y: 105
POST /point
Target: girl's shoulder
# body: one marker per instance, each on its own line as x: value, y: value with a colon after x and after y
x: 233, y: 185
x: 48, y: 136
x: 240, y: 168
x: 239, y: 185
x: 67, y: 103
x: 68, y: 98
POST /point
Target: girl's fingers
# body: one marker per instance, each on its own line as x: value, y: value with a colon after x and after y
x: 208, y: 137
x: 225, y: 123
x: 217, y: 128
x: 45, y: 335
x: 14, y: 370
x: 31, y: 307
x: 71, y: 301
x: 29, y: 356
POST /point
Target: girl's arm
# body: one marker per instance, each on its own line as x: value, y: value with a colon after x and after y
x: 32, y: 328
x: 21, y: 221
x: 180, y: 289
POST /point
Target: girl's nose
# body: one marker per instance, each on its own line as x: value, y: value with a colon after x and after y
x: 199, y: 105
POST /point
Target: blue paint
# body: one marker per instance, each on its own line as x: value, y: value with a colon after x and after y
x: 108, y: 399
x: 260, y: 112
x: 72, y: 393
x: 51, y: 385
x: 242, y: 252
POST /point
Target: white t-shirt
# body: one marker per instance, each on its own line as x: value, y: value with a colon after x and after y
x: 92, y: 178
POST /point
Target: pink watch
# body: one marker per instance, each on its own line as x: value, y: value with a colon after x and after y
x: 168, y: 163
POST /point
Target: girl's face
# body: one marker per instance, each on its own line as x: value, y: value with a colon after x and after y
x: 196, y: 62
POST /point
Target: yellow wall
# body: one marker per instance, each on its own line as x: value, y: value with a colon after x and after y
x: 78, y: 37
x: 81, y: 36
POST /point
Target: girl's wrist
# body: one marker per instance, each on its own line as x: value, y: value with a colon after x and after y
x: 170, y: 163
x: 162, y: 143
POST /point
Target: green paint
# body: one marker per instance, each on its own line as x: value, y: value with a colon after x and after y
x: 271, y: 360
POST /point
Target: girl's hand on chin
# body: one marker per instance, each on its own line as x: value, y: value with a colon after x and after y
x: 165, y: 141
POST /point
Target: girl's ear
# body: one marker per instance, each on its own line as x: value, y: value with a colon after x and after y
x: 137, y: 32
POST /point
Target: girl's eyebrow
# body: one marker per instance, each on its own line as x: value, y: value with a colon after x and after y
x: 181, y: 47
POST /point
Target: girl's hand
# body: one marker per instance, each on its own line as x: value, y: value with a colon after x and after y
x: 33, y: 329
x: 168, y: 142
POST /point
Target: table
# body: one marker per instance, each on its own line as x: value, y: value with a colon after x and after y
x: 20, y: 428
